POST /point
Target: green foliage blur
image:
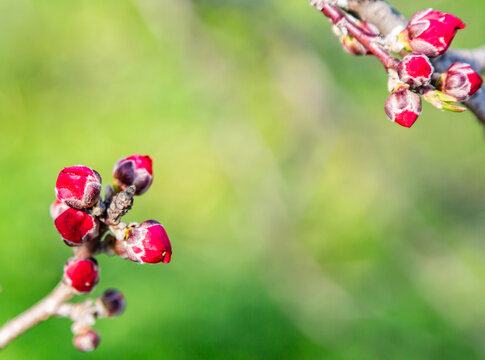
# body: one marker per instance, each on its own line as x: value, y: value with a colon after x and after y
x: 304, y: 224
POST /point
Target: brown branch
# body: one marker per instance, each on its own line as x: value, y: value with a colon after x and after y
x: 475, y: 57
x: 388, y: 19
x: 379, y: 13
x: 109, y: 212
x: 41, y: 311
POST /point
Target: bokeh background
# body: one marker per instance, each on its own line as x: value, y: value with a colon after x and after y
x: 305, y: 225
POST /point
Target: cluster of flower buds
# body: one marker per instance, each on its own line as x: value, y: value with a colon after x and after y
x: 92, y: 225
x: 429, y: 34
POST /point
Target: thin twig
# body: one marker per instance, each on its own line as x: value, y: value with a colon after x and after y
x: 41, y: 311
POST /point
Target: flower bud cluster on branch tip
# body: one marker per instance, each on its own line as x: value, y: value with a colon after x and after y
x: 92, y: 225
x: 428, y: 33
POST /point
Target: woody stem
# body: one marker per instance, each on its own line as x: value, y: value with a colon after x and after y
x: 41, y: 311
x: 338, y: 18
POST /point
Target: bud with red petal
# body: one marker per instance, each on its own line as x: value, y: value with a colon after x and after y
x: 86, y: 341
x: 430, y: 32
x: 460, y: 81
x: 78, y: 186
x: 403, y: 106
x: 415, y: 70
x: 134, y: 170
x: 75, y: 226
x: 114, y: 302
x: 81, y: 274
x: 146, y: 243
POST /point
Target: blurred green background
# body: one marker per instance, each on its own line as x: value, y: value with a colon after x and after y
x: 304, y: 224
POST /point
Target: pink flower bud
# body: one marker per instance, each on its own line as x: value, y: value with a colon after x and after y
x: 460, y: 81
x: 114, y: 302
x: 75, y: 226
x: 86, y: 341
x: 81, y: 274
x: 134, y: 170
x: 403, y: 106
x: 431, y: 32
x: 146, y: 243
x: 78, y: 187
x: 415, y: 70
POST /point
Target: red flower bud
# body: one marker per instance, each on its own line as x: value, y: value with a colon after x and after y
x: 460, y: 81
x: 75, y: 226
x: 134, y: 170
x: 78, y: 187
x: 114, y: 302
x: 86, y: 341
x: 81, y: 274
x: 403, y: 106
x: 431, y: 32
x: 146, y: 243
x: 415, y: 70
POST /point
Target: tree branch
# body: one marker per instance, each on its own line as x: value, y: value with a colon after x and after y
x: 41, y: 311
x: 379, y: 13
x: 476, y: 56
